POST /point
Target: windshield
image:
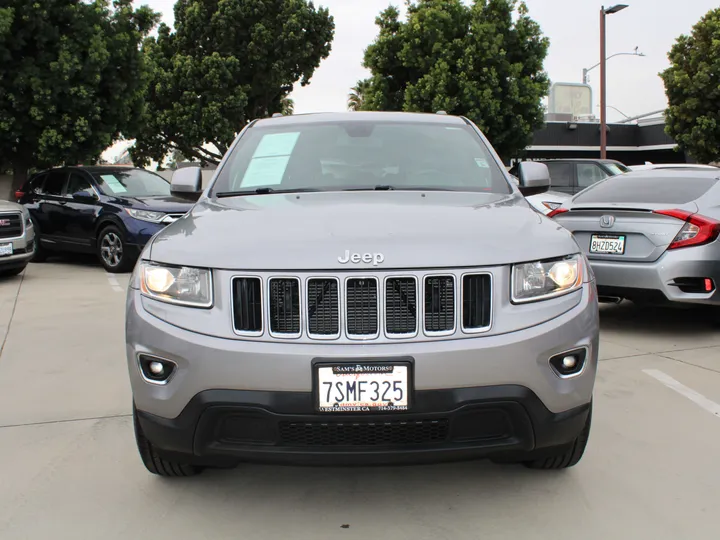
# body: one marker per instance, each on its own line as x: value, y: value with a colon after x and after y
x: 361, y: 155
x: 616, y: 168
x: 132, y: 183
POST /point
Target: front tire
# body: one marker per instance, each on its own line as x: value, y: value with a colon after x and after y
x: 39, y: 252
x: 154, y: 462
x: 564, y: 457
x: 113, y: 251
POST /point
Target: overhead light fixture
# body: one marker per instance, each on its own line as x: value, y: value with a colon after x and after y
x: 615, y: 8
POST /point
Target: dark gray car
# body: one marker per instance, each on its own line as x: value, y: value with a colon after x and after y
x: 361, y: 288
x: 651, y: 236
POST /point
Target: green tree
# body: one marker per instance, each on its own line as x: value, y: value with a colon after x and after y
x: 356, y: 97
x: 483, y: 60
x: 227, y: 63
x: 692, y: 86
x: 72, y: 79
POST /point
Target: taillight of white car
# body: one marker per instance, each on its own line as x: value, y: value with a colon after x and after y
x: 698, y: 230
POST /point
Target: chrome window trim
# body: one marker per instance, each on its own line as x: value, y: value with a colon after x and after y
x: 418, y: 298
x: 262, y: 280
x: 442, y: 333
x: 22, y: 224
x: 380, y: 294
x: 341, y: 318
x: 484, y: 329
x: 266, y: 308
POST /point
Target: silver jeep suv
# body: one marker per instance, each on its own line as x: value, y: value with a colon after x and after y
x: 361, y: 288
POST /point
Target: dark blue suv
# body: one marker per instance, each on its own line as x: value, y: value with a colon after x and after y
x: 111, y: 211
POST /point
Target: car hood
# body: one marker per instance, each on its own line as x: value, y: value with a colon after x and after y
x: 167, y: 204
x: 7, y: 206
x: 312, y: 231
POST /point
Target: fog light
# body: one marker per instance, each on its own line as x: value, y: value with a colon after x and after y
x: 156, y: 370
x: 569, y: 363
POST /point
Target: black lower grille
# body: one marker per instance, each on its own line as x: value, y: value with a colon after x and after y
x: 477, y: 297
x: 323, y: 310
x: 10, y: 225
x: 439, y: 303
x: 362, y: 307
x: 363, y: 433
x: 401, y: 306
x: 247, y: 304
x: 285, y: 306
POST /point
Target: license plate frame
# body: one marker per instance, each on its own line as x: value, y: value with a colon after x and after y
x: 6, y: 250
x: 319, y: 364
x: 600, y: 237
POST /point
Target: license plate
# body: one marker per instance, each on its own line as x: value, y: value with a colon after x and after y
x: 369, y: 387
x: 6, y: 249
x: 605, y: 243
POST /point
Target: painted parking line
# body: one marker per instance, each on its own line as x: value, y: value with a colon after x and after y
x: 692, y: 395
x: 114, y: 284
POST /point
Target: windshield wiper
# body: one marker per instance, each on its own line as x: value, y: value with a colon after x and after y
x: 381, y: 187
x: 263, y: 191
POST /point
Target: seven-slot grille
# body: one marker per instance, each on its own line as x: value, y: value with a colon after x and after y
x: 359, y: 307
x: 11, y: 225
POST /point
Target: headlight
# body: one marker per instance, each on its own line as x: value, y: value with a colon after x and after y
x: 146, y: 215
x: 176, y: 284
x: 545, y: 279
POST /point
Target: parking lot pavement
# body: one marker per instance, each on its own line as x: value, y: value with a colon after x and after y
x: 69, y: 468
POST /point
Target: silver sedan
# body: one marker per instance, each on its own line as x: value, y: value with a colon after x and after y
x: 651, y: 236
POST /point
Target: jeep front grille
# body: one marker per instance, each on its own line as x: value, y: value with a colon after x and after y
x: 390, y: 306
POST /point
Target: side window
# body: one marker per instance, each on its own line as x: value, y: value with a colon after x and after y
x: 561, y: 174
x: 588, y: 174
x: 54, y: 183
x: 77, y: 182
x: 35, y: 185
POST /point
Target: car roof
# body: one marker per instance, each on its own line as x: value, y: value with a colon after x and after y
x: 588, y: 160
x: 680, y: 174
x: 362, y: 116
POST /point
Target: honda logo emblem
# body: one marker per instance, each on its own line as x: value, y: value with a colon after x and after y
x: 607, y: 221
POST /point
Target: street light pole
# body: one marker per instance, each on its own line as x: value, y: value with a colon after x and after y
x: 603, y: 119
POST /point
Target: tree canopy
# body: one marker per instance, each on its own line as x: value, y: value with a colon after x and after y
x: 483, y: 60
x: 72, y: 79
x: 692, y: 86
x: 226, y: 63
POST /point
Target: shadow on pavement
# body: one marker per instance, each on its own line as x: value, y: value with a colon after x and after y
x: 630, y: 318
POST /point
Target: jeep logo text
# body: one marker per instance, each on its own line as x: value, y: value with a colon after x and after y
x: 374, y: 258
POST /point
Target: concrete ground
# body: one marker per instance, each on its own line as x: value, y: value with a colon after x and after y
x: 69, y: 467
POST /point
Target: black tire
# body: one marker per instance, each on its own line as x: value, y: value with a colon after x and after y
x: 40, y: 254
x: 154, y: 462
x: 564, y: 457
x: 11, y: 271
x: 113, y: 251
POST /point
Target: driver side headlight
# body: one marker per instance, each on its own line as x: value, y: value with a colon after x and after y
x: 180, y: 285
x: 541, y: 280
x: 146, y: 215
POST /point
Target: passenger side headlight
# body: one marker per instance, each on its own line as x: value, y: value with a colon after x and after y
x: 177, y: 284
x: 146, y: 215
x: 541, y: 280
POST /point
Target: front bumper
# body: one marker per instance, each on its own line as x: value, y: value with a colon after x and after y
x: 23, y: 250
x: 653, y: 281
x: 224, y: 426
x: 238, y: 399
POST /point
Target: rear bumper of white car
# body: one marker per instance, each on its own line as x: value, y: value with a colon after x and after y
x: 677, y: 276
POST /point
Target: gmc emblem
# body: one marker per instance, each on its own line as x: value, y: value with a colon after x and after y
x: 4, y: 222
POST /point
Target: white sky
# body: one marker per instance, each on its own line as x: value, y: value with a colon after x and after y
x: 634, y: 86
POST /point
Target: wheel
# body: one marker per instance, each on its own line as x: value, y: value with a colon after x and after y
x: 11, y: 271
x: 152, y: 460
x: 113, y: 251
x: 563, y: 457
x: 40, y: 253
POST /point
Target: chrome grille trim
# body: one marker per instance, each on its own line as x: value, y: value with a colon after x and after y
x: 382, y: 277
x: 378, y: 296
x: 461, y: 301
x: 269, y: 308
x: 21, y: 221
x: 448, y: 332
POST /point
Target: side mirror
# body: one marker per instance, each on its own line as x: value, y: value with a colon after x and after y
x: 84, y: 196
x: 187, y: 183
x: 534, y: 178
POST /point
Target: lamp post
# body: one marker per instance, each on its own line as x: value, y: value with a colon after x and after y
x: 588, y: 70
x: 603, y: 120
